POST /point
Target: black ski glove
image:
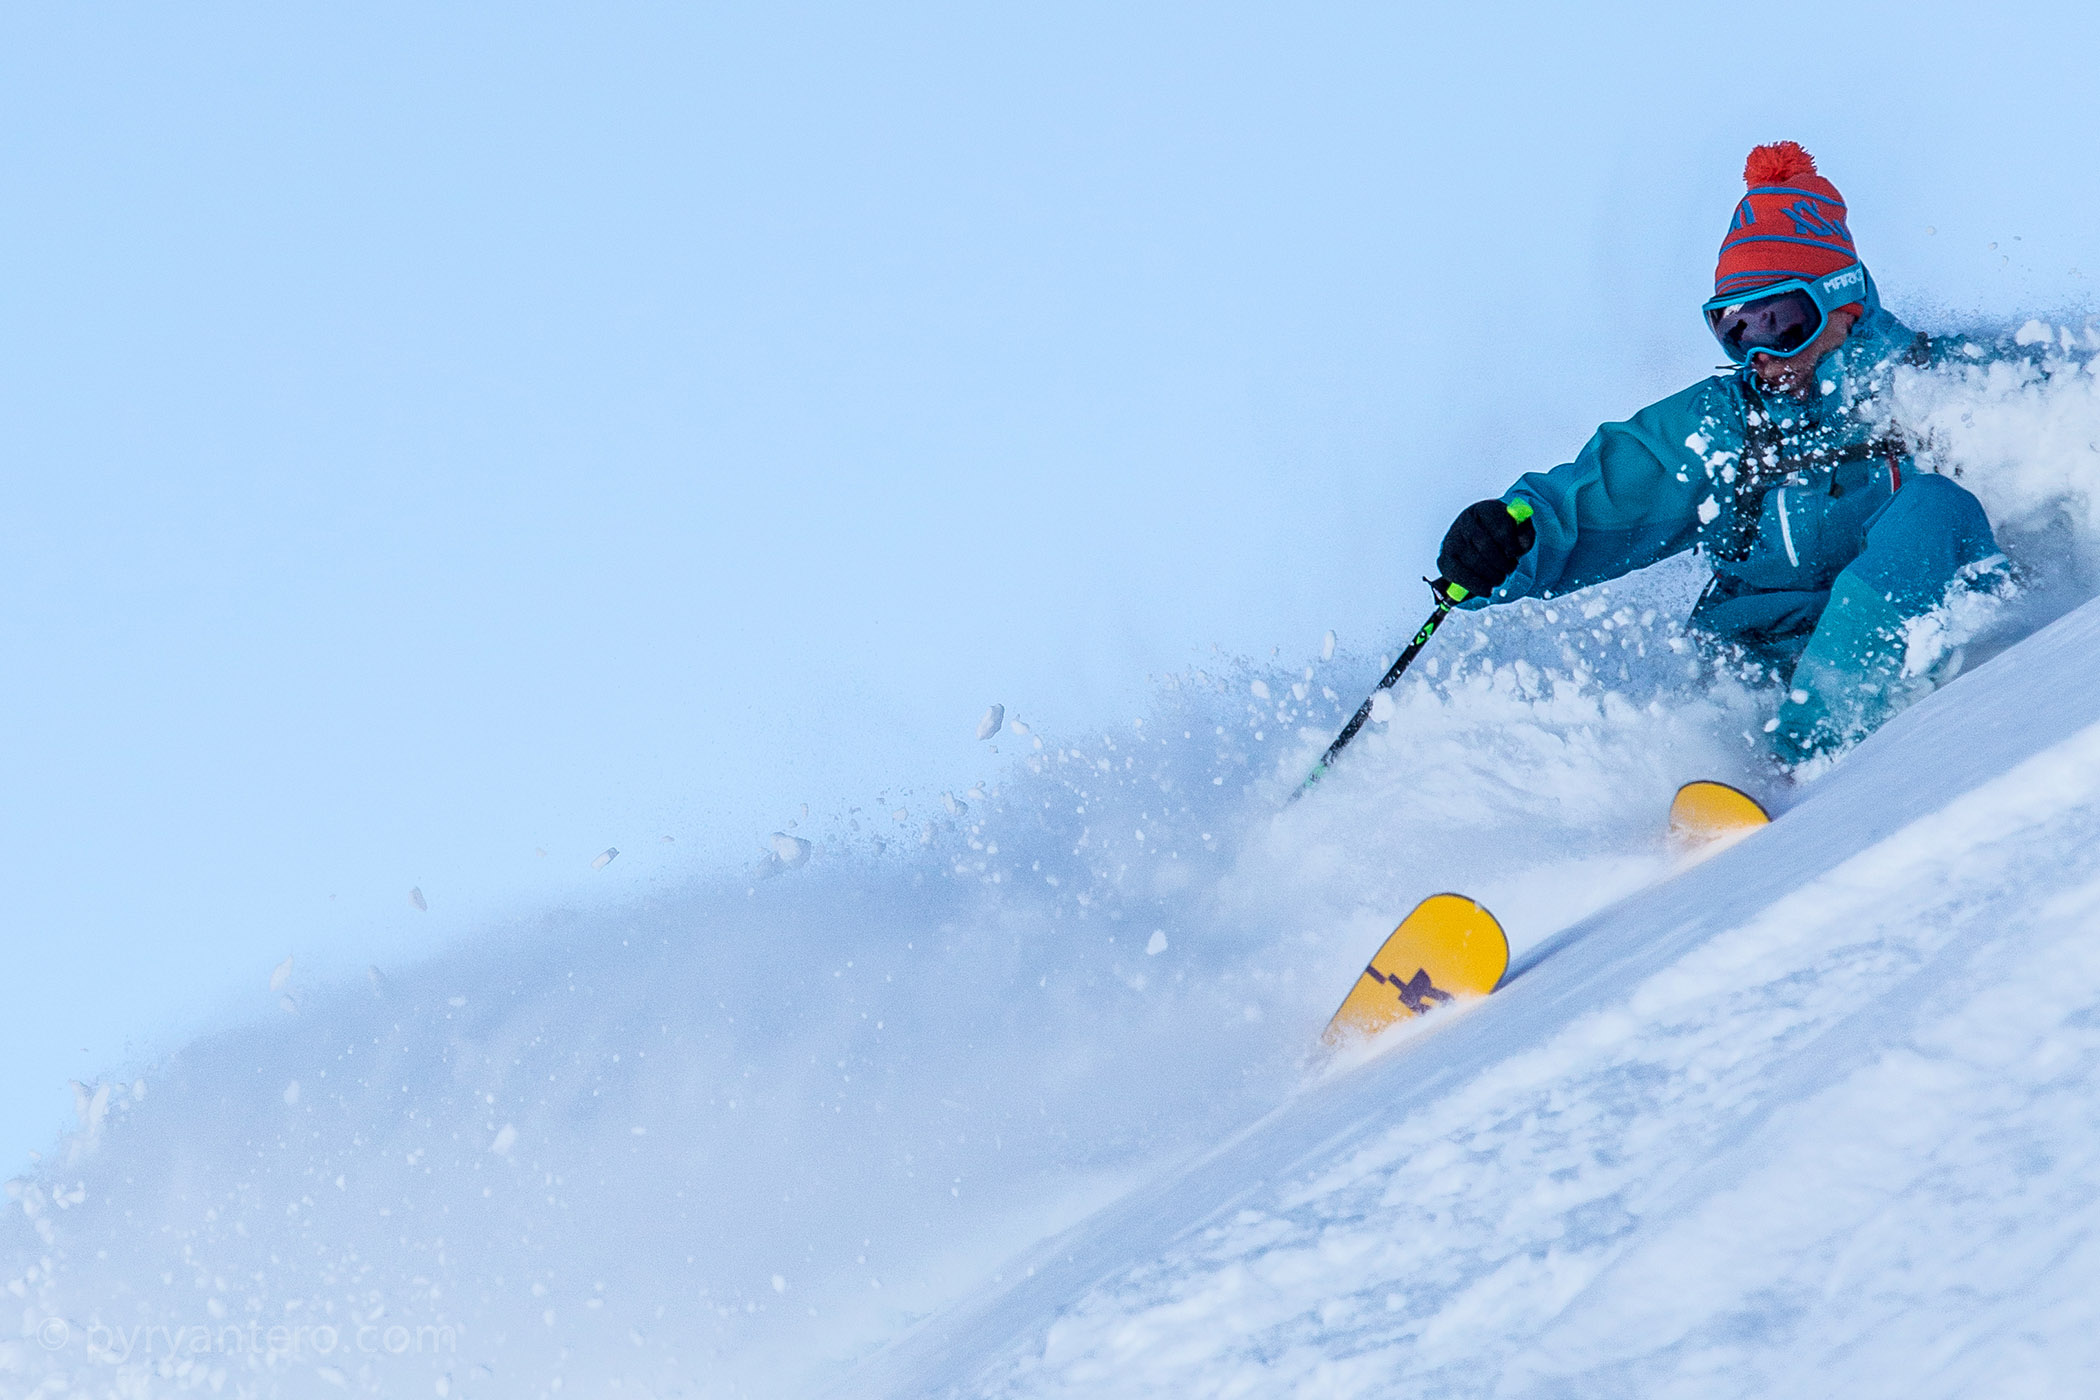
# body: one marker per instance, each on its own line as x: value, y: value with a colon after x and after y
x: 1483, y: 545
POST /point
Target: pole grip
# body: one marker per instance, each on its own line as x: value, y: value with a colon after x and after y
x: 1448, y: 592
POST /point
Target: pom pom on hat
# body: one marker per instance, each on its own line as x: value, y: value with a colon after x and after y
x: 1781, y: 163
x: 1790, y: 223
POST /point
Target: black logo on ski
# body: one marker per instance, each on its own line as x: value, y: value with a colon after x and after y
x: 1416, y: 992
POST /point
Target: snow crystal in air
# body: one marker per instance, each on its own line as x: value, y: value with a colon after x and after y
x: 1260, y: 690
x: 291, y: 1092
x: 281, y: 975
x: 1157, y: 944
x: 605, y: 857
x: 506, y: 1139
x: 91, y: 1104
x: 415, y: 897
x: 2033, y: 333
x: 790, y: 851
x: 993, y: 718
x: 1382, y: 707
x: 1327, y: 646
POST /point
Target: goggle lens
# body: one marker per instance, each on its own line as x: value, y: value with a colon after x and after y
x: 1775, y: 325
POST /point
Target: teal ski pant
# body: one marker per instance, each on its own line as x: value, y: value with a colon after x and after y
x: 1851, y: 676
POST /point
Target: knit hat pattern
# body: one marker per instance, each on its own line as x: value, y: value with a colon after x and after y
x: 1790, y: 223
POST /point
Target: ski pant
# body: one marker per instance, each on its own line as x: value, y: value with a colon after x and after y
x: 1852, y: 673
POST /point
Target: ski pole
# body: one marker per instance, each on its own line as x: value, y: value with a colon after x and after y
x: 1448, y: 595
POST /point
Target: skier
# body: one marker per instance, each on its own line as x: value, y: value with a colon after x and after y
x: 1825, y: 539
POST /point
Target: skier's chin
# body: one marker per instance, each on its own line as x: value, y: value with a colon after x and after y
x: 1789, y: 381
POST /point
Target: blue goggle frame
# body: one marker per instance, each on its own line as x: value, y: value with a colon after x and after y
x: 1828, y: 293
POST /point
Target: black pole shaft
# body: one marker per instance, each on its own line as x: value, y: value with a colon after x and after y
x: 1448, y: 596
x: 1443, y: 590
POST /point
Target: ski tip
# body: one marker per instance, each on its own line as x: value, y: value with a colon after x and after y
x: 1704, y: 812
x: 1449, y: 946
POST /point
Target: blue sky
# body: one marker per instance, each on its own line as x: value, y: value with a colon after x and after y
x: 437, y: 437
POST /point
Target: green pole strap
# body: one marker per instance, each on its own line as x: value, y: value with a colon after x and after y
x: 1519, y: 511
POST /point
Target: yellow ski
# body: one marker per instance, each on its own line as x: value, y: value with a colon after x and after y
x: 1448, y: 947
x: 1705, y: 813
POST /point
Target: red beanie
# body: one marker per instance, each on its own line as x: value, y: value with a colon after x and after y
x: 1790, y: 224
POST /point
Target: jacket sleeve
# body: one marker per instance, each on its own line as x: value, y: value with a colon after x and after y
x: 1635, y: 494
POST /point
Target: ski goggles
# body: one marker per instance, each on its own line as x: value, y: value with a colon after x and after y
x: 1782, y: 319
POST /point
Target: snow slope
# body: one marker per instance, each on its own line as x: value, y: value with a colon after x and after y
x: 810, y: 1127
x: 1813, y: 1118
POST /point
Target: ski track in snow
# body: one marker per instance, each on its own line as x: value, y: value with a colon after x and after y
x: 1007, y: 1092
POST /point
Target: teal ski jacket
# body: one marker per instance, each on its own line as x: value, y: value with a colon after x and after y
x: 1777, y: 492
x: 1825, y: 540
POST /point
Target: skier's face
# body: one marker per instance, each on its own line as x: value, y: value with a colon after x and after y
x: 1796, y: 375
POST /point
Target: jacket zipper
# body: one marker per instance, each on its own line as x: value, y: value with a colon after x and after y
x: 1786, y: 532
